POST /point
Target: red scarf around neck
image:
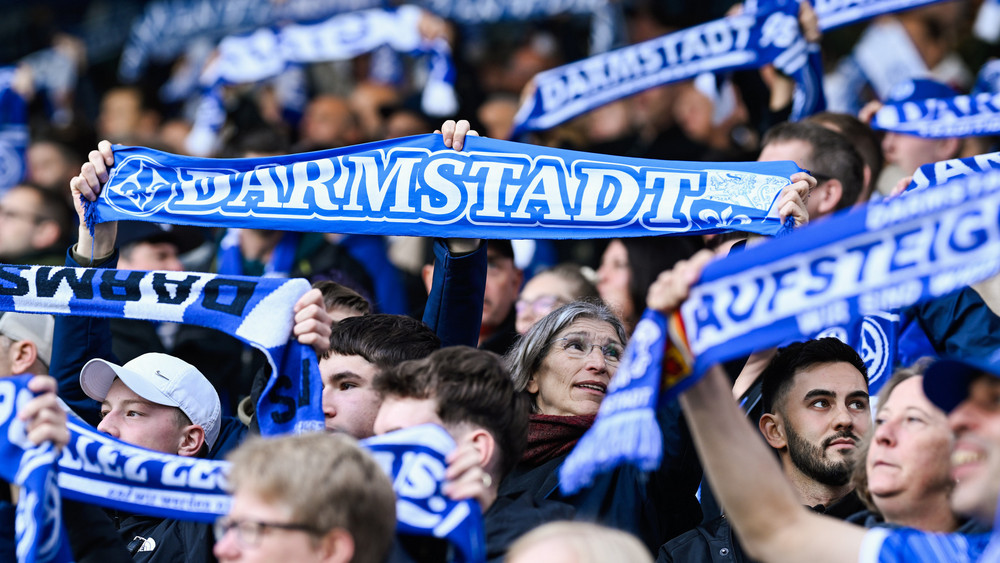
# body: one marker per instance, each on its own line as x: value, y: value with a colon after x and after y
x: 551, y: 436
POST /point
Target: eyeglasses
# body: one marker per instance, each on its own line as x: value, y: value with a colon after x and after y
x: 541, y: 306
x: 580, y: 347
x: 249, y: 532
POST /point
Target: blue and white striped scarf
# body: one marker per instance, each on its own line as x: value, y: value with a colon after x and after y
x: 97, y: 469
x: 937, y: 173
x: 959, y: 116
x: 749, y: 40
x: 886, y: 256
x: 417, y: 186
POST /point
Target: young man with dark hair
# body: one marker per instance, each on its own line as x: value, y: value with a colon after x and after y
x: 341, y: 301
x: 816, y: 411
x: 34, y: 226
x: 827, y: 155
x: 360, y: 349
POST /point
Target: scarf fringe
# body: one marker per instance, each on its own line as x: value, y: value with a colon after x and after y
x: 629, y: 437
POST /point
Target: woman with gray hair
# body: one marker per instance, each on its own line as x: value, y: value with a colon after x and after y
x: 565, y: 363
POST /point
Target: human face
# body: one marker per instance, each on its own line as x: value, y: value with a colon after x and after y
x: 349, y: 402
x: 152, y: 256
x: 566, y: 386
x: 274, y: 545
x: 503, y: 281
x: 613, y: 279
x: 975, y: 459
x: 542, y: 294
x: 908, y: 459
x: 397, y: 413
x: 130, y: 418
x: 909, y: 152
x: 19, y: 221
x: 824, y: 413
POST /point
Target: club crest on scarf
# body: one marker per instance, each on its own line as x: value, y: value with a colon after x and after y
x: 415, y: 185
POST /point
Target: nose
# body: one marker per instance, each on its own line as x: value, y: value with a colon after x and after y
x: 329, y: 409
x: 174, y: 265
x: 844, y: 419
x: 885, y: 433
x: 226, y: 548
x: 962, y: 417
x: 108, y: 426
x: 596, y: 361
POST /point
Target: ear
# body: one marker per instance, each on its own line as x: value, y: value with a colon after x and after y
x: 191, y: 440
x: 830, y: 195
x: 337, y: 546
x: 484, y: 444
x: 23, y: 354
x: 532, y: 386
x: 773, y: 429
x: 427, y: 275
x: 948, y: 148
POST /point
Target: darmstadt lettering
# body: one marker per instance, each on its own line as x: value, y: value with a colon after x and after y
x: 409, y: 187
x: 959, y: 116
x: 936, y: 173
x: 837, y: 13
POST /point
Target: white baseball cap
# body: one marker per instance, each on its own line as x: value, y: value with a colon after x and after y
x: 161, y: 379
x: 29, y: 326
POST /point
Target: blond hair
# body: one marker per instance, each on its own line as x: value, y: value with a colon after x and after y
x: 327, y: 481
x: 590, y: 543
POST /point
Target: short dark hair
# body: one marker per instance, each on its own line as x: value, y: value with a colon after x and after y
x: 383, y: 340
x: 469, y: 386
x: 650, y: 256
x: 777, y: 377
x: 860, y: 135
x: 833, y: 156
x: 336, y: 295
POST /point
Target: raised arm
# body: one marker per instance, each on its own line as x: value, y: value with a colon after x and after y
x: 759, y: 502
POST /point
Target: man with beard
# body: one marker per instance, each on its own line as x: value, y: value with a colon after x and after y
x: 816, y: 410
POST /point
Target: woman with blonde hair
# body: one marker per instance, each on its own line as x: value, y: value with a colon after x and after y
x: 577, y: 542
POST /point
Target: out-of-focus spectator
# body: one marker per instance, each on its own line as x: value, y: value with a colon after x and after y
x: 328, y: 123
x: 497, y: 115
x: 577, y: 542
x: 550, y: 289
x: 34, y: 226
x: 51, y: 164
x: 125, y: 117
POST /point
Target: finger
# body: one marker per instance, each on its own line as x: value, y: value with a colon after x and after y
x: 88, y: 175
x: 311, y: 297
x: 467, y: 462
x: 448, y: 132
x: 461, y: 130
x: 100, y: 168
x: 32, y: 408
x: 105, y: 148
x: 42, y: 384
x: 900, y: 186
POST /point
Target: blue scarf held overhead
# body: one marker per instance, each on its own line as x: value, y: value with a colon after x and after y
x: 258, y: 311
x: 267, y: 52
x: 959, y: 116
x: 837, y: 13
x: 167, y: 26
x: 417, y: 186
x: 749, y: 40
x: 883, y: 257
x: 474, y: 12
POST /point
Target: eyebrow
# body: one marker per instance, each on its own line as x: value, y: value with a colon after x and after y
x: 345, y: 376
x: 827, y: 393
x: 580, y: 333
x: 131, y: 402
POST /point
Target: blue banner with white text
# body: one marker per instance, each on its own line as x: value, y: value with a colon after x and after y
x: 417, y: 186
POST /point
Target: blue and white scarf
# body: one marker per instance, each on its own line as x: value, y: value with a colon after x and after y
x: 267, y: 52
x: 38, y: 521
x: 415, y: 459
x: 937, y: 173
x: 417, y: 186
x: 988, y: 78
x: 471, y: 12
x: 255, y: 310
x: 959, y: 116
x: 97, y: 469
x: 749, y: 40
x: 837, y: 13
x: 886, y: 256
x: 168, y: 26
x: 13, y: 132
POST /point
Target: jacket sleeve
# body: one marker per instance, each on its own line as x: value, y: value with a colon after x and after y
x: 77, y: 340
x: 454, y: 308
x: 959, y: 324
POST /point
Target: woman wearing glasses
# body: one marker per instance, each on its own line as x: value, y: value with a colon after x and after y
x: 550, y: 289
x: 565, y: 363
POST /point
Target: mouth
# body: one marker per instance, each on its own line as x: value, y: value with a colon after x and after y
x: 966, y: 457
x: 842, y: 443
x: 595, y: 386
